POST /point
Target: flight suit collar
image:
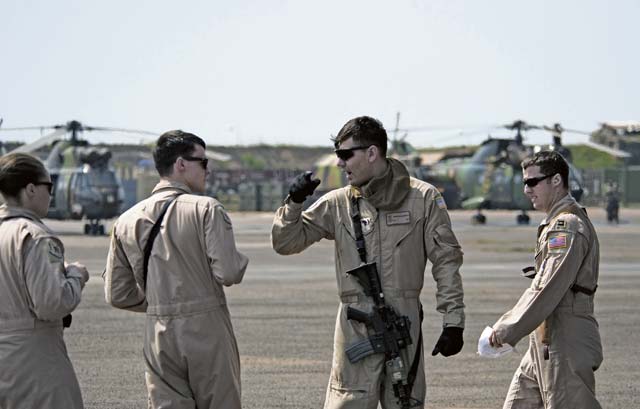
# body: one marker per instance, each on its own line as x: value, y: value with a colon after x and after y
x: 388, y: 191
x: 165, y: 185
x: 12, y: 211
x: 558, y: 207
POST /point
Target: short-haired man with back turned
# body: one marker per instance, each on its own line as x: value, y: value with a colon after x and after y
x: 557, y: 371
x: 402, y: 223
x: 176, y: 275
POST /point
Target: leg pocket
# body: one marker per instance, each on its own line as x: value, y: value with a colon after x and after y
x: 340, y: 396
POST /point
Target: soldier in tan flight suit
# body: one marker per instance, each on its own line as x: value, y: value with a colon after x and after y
x: 557, y: 309
x: 404, y: 223
x: 37, y: 290
x: 190, y: 349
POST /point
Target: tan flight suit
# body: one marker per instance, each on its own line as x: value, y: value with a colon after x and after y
x: 190, y: 350
x: 414, y: 227
x: 559, y: 320
x: 36, y: 292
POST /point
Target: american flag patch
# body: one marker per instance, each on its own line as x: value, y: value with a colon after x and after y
x: 440, y: 202
x: 558, y: 241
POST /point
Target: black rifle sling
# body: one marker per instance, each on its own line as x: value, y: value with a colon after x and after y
x: 357, y: 229
x: 413, y: 371
x: 66, y: 320
x: 360, y: 245
x: 152, y: 237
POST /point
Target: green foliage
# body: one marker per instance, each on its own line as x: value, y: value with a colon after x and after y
x: 252, y: 161
x: 585, y: 157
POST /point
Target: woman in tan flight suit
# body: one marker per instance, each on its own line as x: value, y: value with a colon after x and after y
x: 37, y: 290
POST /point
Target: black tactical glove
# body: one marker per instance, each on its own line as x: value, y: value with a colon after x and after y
x: 302, y: 187
x: 450, y: 342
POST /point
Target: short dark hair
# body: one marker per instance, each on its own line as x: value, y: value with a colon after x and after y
x: 364, y: 131
x: 170, y: 146
x: 17, y: 170
x: 550, y: 163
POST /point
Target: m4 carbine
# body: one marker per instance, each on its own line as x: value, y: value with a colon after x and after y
x: 390, y: 333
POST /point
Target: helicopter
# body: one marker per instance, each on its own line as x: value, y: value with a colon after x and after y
x: 492, y: 177
x: 85, y: 186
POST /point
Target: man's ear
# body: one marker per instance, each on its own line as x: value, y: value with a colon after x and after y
x: 373, y: 153
x: 178, y: 165
x: 557, y: 179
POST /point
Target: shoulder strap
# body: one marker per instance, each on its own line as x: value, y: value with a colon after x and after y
x: 152, y: 236
x: 18, y: 216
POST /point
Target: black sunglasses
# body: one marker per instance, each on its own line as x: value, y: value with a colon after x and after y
x: 346, y: 153
x: 533, y: 182
x: 49, y: 186
x: 203, y: 161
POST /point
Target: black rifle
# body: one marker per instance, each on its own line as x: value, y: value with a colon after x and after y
x: 390, y: 333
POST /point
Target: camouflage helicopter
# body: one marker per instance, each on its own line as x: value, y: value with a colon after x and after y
x: 492, y: 177
x: 85, y: 186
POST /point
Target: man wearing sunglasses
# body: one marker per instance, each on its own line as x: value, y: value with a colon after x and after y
x: 556, y: 311
x: 170, y: 256
x: 403, y: 223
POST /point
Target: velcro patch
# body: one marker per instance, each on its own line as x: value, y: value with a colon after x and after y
x: 398, y: 218
x: 55, y: 252
x: 440, y: 202
x: 558, y: 241
x: 561, y: 224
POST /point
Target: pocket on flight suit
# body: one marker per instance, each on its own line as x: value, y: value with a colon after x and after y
x: 348, y: 258
x: 352, y: 381
x: 409, y: 245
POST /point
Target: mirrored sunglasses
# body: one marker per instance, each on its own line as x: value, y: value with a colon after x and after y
x: 203, y: 161
x: 533, y: 182
x: 346, y: 153
x: 49, y: 186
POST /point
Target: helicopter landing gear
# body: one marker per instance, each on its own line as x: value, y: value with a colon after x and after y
x: 94, y: 228
x: 523, y: 218
x: 478, y: 218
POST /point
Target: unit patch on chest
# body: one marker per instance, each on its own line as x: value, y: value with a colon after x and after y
x: 398, y: 218
x: 366, y: 224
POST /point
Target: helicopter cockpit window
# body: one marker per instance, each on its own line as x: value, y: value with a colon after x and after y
x: 485, y: 152
x: 79, y: 181
x: 103, y: 179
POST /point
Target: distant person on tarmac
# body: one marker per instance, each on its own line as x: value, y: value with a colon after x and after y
x: 38, y: 291
x: 390, y: 224
x: 170, y: 256
x: 556, y: 311
x: 612, y: 196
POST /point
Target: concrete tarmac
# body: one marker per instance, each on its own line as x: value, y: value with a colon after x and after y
x: 284, y: 315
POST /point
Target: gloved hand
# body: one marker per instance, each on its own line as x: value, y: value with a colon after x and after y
x: 450, y: 342
x: 302, y: 187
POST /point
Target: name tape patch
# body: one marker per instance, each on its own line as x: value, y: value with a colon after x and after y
x: 398, y: 218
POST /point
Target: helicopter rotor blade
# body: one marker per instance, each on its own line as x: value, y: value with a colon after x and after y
x: 30, y: 128
x: 125, y: 130
x: 39, y: 143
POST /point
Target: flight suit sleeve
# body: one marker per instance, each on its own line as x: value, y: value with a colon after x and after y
x: 53, y: 292
x: 226, y: 262
x: 120, y: 287
x: 444, y: 252
x: 566, y: 250
x: 294, y: 230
